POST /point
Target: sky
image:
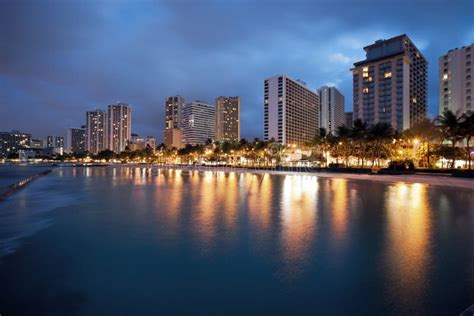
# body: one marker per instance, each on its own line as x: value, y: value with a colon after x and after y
x: 60, y: 58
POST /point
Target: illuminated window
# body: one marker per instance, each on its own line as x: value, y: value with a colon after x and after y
x: 365, y: 74
x: 365, y: 69
x: 370, y: 79
x: 445, y: 76
x: 388, y: 75
x: 365, y: 90
x: 414, y: 100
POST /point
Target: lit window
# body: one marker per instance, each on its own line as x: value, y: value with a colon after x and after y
x: 365, y: 74
x: 370, y: 79
x: 445, y: 76
x: 365, y: 90
x: 388, y: 75
x: 365, y: 69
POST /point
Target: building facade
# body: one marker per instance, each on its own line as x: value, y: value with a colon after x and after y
x: 349, y: 121
x: 96, y: 131
x: 119, y: 129
x: 456, y: 80
x: 139, y: 143
x: 331, y: 111
x: 390, y: 85
x: 228, y: 119
x: 76, y: 140
x: 198, y: 122
x: 291, y: 111
x: 12, y: 142
x: 55, y: 141
x: 172, y: 133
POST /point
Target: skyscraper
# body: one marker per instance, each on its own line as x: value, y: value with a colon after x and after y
x: 390, y: 85
x: 291, y: 111
x: 76, y: 140
x: 96, y: 131
x: 119, y: 118
x: 172, y: 133
x: 198, y: 121
x: 331, y: 109
x: 456, y: 80
x: 228, y: 119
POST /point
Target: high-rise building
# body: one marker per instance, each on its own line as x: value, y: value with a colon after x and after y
x: 331, y: 110
x: 291, y: 111
x: 390, y: 85
x: 55, y: 141
x: 349, y: 121
x: 456, y: 81
x: 12, y: 142
x: 228, y: 119
x: 198, y: 122
x: 172, y: 133
x: 119, y: 126
x: 96, y: 131
x: 76, y: 140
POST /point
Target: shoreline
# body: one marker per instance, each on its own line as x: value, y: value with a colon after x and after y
x: 432, y: 180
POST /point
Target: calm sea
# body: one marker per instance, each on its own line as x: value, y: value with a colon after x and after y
x: 137, y: 241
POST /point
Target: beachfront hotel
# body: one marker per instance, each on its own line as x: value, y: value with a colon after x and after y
x: 390, y: 85
x: 172, y: 133
x: 331, y: 111
x: 198, y: 121
x: 291, y: 111
x: 96, y: 131
x: 456, y: 80
x: 119, y: 129
x: 228, y: 119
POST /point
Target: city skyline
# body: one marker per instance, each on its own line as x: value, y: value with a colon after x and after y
x: 59, y: 87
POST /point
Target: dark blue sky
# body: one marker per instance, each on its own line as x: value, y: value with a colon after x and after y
x: 61, y: 58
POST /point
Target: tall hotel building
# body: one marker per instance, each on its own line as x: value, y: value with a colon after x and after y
x: 96, y: 131
x: 456, y: 80
x: 172, y: 134
x: 390, y: 85
x: 331, y: 111
x: 228, y: 119
x: 119, y: 118
x: 291, y: 111
x: 198, y: 121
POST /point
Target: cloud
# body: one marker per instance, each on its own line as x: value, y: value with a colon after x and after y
x: 339, y: 58
x: 60, y: 59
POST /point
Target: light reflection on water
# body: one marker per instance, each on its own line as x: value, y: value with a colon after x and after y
x: 340, y: 243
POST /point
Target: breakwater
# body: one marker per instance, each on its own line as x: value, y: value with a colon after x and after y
x: 11, y: 189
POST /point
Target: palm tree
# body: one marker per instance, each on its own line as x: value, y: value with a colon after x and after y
x: 359, y: 135
x: 467, y: 127
x: 427, y: 132
x: 344, y: 133
x: 379, y: 134
x: 450, y: 126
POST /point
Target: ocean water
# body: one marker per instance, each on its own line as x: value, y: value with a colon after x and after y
x: 140, y: 241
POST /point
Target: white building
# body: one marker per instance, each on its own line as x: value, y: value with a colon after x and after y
x: 198, y: 122
x: 119, y: 118
x: 332, y: 113
x: 456, y: 80
x: 291, y: 111
x: 96, y: 131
